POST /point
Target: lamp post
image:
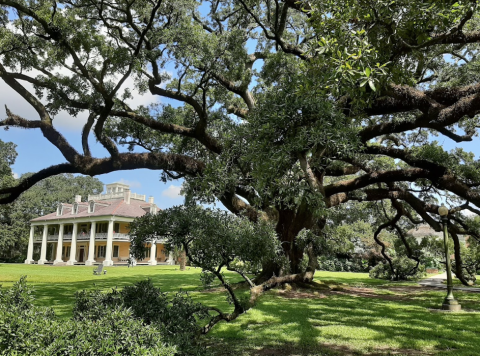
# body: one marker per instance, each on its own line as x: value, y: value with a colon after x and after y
x: 449, y: 303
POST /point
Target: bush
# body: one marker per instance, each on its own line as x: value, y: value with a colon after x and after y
x: 335, y: 264
x: 177, y: 318
x: 23, y: 327
x: 115, y: 333
x: 29, y: 330
x: 403, y: 269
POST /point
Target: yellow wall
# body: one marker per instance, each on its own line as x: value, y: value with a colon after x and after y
x: 123, y: 252
x: 161, y: 256
x: 124, y: 249
x: 124, y: 228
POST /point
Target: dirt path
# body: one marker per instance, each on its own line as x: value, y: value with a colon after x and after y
x: 437, y: 282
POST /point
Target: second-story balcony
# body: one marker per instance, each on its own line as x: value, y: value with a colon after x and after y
x: 52, y: 237
x: 83, y: 236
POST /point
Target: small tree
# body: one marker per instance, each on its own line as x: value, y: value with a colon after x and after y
x: 215, y: 240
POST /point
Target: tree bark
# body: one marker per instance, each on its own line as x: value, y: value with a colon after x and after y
x: 182, y: 259
x: 289, y: 224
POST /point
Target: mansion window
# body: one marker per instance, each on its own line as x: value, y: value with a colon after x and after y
x: 102, y: 228
x: 65, y: 252
x: 83, y: 229
x: 115, y: 250
x: 101, y: 251
x: 91, y: 207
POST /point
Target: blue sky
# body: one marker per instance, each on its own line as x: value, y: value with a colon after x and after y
x: 36, y: 153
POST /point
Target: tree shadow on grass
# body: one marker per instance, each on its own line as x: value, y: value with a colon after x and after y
x: 360, y: 325
x: 339, y: 323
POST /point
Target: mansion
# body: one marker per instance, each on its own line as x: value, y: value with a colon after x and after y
x: 93, y: 232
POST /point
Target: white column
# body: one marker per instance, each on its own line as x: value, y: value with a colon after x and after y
x: 58, y: 259
x: 73, y: 247
x: 108, y: 254
x: 91, y: 246
x: 43, y: 251
x: 153, y: 260
x: 29, y: 259
x: 170, y: 258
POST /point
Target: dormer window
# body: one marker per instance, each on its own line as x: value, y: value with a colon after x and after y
x: 91, y: 207
x: 75, y: 208
x: 60, y: 209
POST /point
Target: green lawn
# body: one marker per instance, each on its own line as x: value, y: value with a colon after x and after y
x: 350, y: 314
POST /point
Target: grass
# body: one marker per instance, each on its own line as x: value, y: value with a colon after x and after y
x: 56, y: 286
x: 349, y: 313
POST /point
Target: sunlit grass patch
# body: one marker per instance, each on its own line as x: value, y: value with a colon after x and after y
x: 362, y: 316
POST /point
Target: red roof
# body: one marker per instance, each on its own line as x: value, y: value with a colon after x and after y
x: 116, y: 207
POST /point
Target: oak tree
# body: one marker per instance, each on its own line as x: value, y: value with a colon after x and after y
x: 282, y: 110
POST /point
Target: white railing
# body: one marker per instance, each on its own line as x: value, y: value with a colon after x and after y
x: 116, y: 196
x: 105, y: 196
x: 52, y: 237
x: 85, y: 236
x: 116, y: 236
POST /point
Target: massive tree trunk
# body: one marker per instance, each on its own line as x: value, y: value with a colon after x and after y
x: 289, y: 224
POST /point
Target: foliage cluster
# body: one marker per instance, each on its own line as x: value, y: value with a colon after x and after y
x: 212, y: 239
x: 336, y: 264
x: 177, y: 318
x: 26, y: 329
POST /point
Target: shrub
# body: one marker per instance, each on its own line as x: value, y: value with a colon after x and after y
x: 115, y: 333
x: 335, y: 264
x: 177, y: 318
x: 29, y: 330
x: 403, y: 269
x: 23, y: 327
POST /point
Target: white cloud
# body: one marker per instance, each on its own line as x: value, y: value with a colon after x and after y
x: 131, y: 183
x: 15, y: 175
x: 173, y: 192
x: 63, y: 120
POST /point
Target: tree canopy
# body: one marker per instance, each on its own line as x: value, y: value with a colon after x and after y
x: 284, y: 110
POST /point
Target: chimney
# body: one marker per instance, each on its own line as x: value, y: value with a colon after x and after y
x: 153, y: 207
x: 126, y: 196
x: 78, y: 198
